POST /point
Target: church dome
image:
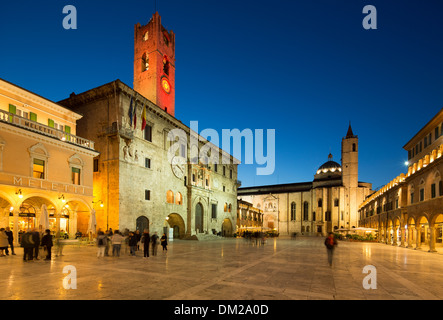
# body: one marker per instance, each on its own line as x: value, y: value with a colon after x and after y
x: 329, y: 166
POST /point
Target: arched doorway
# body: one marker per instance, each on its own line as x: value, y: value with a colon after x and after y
x: 142, y: 224
x: 199, y: 218
x: 422, y: 230
x: 226, y: 228
x: 438, y: 225
x: 177, y: 223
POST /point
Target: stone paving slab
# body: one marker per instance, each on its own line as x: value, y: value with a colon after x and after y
x: 229, y: 269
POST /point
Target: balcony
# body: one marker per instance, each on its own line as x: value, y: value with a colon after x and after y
x: 33, y: 126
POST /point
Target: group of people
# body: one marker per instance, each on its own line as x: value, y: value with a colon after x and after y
x: 130, y: 239
x: 31, y: 241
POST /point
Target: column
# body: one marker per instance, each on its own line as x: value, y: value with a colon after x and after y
x: 402, y: 237
x: 394, y: 236
x: 411, y: 231
x: 432, y: 239
x: 15, y: 213
x: 418, y: 236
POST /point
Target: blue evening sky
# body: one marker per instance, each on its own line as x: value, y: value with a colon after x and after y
x: 304, y: 68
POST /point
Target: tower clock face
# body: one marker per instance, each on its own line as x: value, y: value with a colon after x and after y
x: 166, y: 85
x: 178, y: 166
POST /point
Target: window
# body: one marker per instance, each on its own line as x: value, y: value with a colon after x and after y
x: 433, y: 193
x: 148, y: 163
x: 328, y: 215
x: 422, y: 194
x: 440, y: 188
x: 95, y: 165
x: 437, y: 132
x: 39, y: 169
x: 336, y: 202
x: 75, y: 176
x: 354, y: 147
x: 320, y: 203
x: 293, y: 207
x: 169, y: 196
x: 305, y: 210
x: 215, y: 167
x: 166, y: 66
x: 229, y: 208
x: 225, y: 207
x: 412, y: 197
x: 147, y: 194
x: 145, y: 62
x: 224, y: 170
x: 179, y: 199
x: 214, y: 211
x: 148, y: 133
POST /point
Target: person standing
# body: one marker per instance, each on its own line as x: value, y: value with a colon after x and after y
x: 3, y: 242
x: 146, y: 239
x: 116, y: 240
x: 36, y: 239
x: 330, y: 243
x: 132, y: 243
x: 10, y: 241
x: 154, y: 240
x: 164, y: 242
x: 102, y: 243
x: 28, y: 245
x: 47, y: 243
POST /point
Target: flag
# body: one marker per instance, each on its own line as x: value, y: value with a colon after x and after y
x: 144, y: 117
x: 135, y: 114
x: 130, y: 113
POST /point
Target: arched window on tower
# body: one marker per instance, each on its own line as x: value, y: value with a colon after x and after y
x: 354, y: 147
x: 166, y: 65
x: 293, y: 207
x: 145, y: 62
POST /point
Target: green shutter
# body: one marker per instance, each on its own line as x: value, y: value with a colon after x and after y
x: 12, y: 109
x: 67, y: 129
x: 51, y: 123
x: 32, y: 116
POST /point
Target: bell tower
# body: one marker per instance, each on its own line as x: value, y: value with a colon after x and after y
x: 154, y: 63
x: 349, y: 159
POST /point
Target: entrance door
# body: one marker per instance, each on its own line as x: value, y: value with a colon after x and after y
x: 142, y: 224
x: 199, y: 218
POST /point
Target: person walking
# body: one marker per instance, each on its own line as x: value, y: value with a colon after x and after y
x: 10, y: 240
x: 28, y: 245
x: 146, y: 239
x: 330, y: 243
x: 154, y: 241
x: 102, y: 243
x: 164, y: 242
x: 3, y: 242
x: 47, y: 243
x: 116, y: 240
x: 59, y: 242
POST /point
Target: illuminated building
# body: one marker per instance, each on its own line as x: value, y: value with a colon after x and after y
x: 42, y: 161
x: 140, y: 186
x: 407, y: 210
x: 328, y: 203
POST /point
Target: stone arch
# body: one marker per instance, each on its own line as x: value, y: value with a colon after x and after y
x: 227, y: 230
x: 142, y: 224
x: 177, y: 223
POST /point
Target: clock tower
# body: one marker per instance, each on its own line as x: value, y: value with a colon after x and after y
x: 154, y: 63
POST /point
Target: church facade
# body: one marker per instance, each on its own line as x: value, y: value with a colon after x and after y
x: 326, y: 204
x: 141, y: 183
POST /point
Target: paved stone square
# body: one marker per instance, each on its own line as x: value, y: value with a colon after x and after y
x: 229, y: 269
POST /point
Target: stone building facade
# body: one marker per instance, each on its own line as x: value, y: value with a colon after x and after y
x: 408, y: 210
x: 142, y: 184
x: 42, y: 163
x: 328, y: 203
